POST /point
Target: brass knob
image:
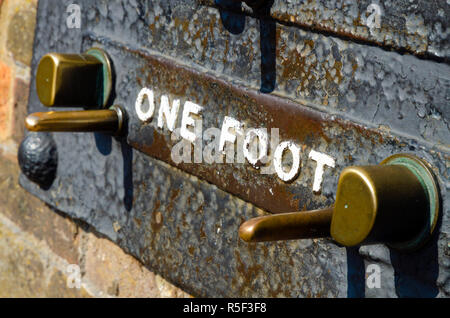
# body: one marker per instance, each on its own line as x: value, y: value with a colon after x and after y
x: 80, y: 80
x: 106, y: 120
x: 396, y: 202
x: 287, y: 226
x: 76, y: 80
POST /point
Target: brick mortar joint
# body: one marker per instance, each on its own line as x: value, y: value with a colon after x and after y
x: 86, y: 236
x: 51, y: 261
x: 72, y: 235
x: 47, y: 256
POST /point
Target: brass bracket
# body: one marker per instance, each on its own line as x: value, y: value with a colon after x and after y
x: 424, y: 173
x: 107, y: 72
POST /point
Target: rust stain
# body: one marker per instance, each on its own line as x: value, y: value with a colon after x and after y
x: 157, y: 221
x: 202, y: 231
x: 225, y: 53
x: 209, y: 259
x: 354, y: 68
x: 247, y: 272
x: 296, y: 66
x: 183, y: 23
x: 138, y: 222
x: 338, y: 68
x: 157, y: 203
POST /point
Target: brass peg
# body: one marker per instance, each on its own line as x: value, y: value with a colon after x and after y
x: 396, y: 202
x: 80, y: 80
x: 106, y: 120
x: 287, y: 226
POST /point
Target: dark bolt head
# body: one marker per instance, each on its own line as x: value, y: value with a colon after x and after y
x: 38, y: 158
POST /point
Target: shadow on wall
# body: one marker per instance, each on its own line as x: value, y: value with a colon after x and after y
x: 356, y: 274
x: 104, y: 146
x: 234, y: 22
x: 415, y: 273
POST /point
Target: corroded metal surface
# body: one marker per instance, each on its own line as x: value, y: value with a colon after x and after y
x: 419, y: 27
x: 366, y: 84
x: 310, y: 129
x: 185, y: 228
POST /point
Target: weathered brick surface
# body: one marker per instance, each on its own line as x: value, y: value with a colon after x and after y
x: 35, y: 217
x: 38, y: 244
x: 118, y: 274
x: 21, y: 33
x: 107, y: 270
x: 19, y: 109
x: 17, y: 23
x: 29, y: 269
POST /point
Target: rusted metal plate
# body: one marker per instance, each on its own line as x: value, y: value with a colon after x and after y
x: 181, y: 220
x: 311, y: 130
x: 365, y: 84
x: 417, y: 27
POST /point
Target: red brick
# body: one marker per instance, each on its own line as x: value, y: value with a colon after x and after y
x: 5, y: 93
